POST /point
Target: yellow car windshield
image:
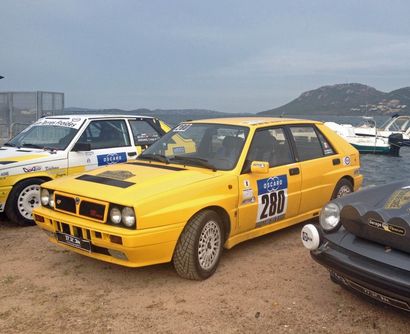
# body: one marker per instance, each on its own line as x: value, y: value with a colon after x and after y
x: 213, y: 146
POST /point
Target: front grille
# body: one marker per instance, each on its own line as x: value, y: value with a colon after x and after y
x: 88, y: 208
x: 65, y: 203
x: 92, y: 210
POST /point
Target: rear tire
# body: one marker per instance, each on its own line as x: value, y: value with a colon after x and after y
x: 200, y: 246
x: 343, y: 187
x: 24, y: 197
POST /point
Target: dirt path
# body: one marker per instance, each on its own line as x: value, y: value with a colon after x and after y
x: 267, y: 285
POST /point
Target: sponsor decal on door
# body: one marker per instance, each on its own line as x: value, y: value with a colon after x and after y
x: 272, y: 199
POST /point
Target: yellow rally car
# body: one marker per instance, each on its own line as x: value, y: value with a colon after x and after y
x: 203, y: 186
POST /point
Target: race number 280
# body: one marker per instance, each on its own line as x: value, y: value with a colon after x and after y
x: 272, y: 199
x: 272, y: 204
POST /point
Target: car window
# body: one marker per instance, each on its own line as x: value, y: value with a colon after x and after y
x: 143, y: 132
x: 218, y: 145
x: 307, y: 143
x: 270, y: 145
x: 106, y: 134
x: 50, y: 136
x: 327, y: 148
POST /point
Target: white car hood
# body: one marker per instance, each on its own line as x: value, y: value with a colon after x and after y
x: 11, y: 157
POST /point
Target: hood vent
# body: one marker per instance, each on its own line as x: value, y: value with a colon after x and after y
x: 105, y: 180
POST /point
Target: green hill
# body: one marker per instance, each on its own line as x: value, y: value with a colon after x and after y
x: 346, y: 99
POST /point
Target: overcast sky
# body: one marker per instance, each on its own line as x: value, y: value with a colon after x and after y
x: 234, y: 56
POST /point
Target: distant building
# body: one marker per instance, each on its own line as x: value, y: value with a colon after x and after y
x: 20, y: 109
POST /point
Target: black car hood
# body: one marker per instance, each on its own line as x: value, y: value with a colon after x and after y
x: 380, y: 214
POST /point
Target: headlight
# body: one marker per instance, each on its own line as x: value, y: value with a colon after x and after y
x: 45, y: 197
x: 330, y: 217
x: 128, y: 217
x: 115, y: 215
x: 51, y: 202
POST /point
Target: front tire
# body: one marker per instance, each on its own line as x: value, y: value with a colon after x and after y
x: 200, y: 246
x: 24, y: 197
x: 343, y: 187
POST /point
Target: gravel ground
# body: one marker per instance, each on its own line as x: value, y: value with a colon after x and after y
x: 266, y: 285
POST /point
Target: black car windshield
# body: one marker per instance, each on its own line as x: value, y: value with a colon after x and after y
x: 44, y: 137
x: 212, y: 146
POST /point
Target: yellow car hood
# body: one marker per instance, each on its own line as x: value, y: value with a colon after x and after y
x: 130, y: 182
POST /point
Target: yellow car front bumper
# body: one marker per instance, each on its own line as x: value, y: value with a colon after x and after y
x: 131, y: 248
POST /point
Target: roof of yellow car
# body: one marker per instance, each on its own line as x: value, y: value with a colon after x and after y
x: 253, y: 121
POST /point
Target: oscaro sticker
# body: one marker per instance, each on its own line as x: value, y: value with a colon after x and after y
x: 178, y: 150
x: 346, y: 161
x: 272, y: 199
x: 111, y: 158
x: 182, y: 127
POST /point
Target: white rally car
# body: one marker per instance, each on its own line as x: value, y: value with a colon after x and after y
x: 60, y: 145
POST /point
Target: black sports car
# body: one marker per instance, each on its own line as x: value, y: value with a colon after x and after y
x: 364, y: 241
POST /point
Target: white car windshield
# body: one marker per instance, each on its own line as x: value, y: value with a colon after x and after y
x: 44, y: 137
x: 213, y: 146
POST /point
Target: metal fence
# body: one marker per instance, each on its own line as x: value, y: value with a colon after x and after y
x: 20, y: 109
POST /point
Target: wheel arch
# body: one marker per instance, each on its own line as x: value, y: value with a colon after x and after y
x: 223, y: 214
x: 43, y: 177
x: 348, y: 178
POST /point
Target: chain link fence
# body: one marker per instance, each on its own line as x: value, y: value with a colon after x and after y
x: 20, y: 109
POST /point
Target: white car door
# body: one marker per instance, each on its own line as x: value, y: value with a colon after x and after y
x: 103, y: 142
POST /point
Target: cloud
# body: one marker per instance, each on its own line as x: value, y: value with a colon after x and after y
x: 347, y: 53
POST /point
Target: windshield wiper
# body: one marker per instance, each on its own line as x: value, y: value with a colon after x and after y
x: 154, y: 157
x: 195, y: 161
x: 31, y: 145
x: 8, y: 144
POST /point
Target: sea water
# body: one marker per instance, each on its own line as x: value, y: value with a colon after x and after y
x: 377, y: 169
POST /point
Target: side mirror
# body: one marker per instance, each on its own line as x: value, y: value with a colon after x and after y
x: 260, y: 167
x: 81, y: 147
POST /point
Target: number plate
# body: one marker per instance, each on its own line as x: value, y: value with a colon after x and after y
x: 74, y: 241
x: 371, y: 293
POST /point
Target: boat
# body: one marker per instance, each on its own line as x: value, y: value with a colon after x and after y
x: 368, y: 138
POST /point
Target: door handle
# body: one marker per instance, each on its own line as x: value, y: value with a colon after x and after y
x: 132, y: 154
x: 294, y: 171
x: 336, y: 161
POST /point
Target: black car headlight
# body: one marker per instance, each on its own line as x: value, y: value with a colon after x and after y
x: 330, y: 217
